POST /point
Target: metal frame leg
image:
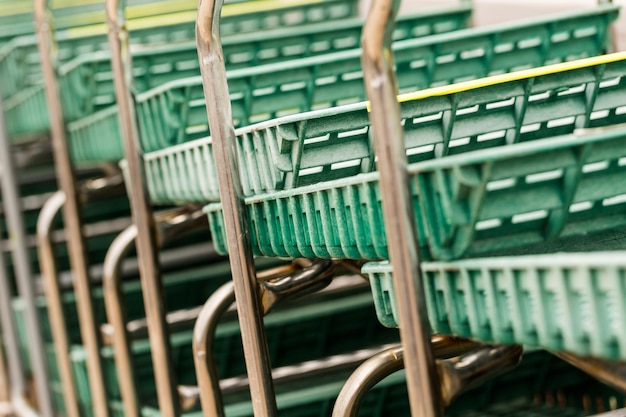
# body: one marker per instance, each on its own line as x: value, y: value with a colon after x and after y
x: 56, y: 315
x: 116, y: 316
x: 275, y: 288
x: 458, y: 374
x: 422, y: 378
x: 71, y: 213
x: 6, y: 409
x: 12, y: 202
x: 142, y: 216
x: 612, y: 373
x: 14, y: 360
x: 224, y: 147
x: 204, y: 361
x: 169, y: 226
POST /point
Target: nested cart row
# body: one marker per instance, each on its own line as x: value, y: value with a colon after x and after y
x: 490, y: 174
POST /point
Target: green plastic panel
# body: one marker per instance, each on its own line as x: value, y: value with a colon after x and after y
x: 86, y: 84
x: 278, y: 154
x: 175, y: 112
x: 19, y: 58
x: 482, y: 201
x: 571, y: 302
x: 27, y: 113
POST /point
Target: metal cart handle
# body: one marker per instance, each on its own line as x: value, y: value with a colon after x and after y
x: 312, y: 276
x: 381, y: 89
x: 146, y: 240
x: 71, y: 210
x: 219, y: 114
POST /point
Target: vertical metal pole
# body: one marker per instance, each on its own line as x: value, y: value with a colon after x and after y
x: 116, y: 316
x: 12, y: 202
x: 71, y: 214
x: 143, y: 218
x: 4, y: 379
x: 242, y: 265
x: 422, y: 378
x: 203, y: 357
x: 56, y: 315
x: 14, y: 359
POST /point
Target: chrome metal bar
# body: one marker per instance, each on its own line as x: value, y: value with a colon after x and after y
x: 143, y: 219
x: 219, y: 114
x: 472, y: 369
x: 385, y: 363
x: 71, y: 211
x: 14, y: 358
x: 459, y: 373
x: 278, y: 285
x: 52, y: 291
x: 368, y: 374
x: 116, y: 316
x: 203, y: 336
x: 169, y: 225
x: 381, y: 88
x: 612, y: 373
x: 12, y: 203
x: 5, y: 394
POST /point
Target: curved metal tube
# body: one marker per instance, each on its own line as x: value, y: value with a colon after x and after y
x: 146, y: 240
x: 116, y: 316
x: 174, y: 223
x: 19, y: 405
x: 204, y: 361
x: 313, y: 277
x: 365, y: 377
x: 612, y: 373
x: 458, y: 374
x: 169, y: 225
x: 71, y: 212
x: 462, y: 373
x: 5, y: 394
x: 219, y: 114
x: 102, y: 188
x: 23, y: 273
x: 54, y: 303
x: 380, y: 85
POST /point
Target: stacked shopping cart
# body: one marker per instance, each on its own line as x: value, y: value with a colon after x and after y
x: 510, y: 162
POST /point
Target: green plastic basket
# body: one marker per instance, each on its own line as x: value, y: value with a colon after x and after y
x: 571, y: 302
x: 481, y: 201
x: 174, y: 112
x: 273, y: 153
x: 19, y: 58
x: 86, y: 85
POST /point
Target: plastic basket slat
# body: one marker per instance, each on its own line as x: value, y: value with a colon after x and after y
x: 571, y: 302
x: 305, y: 149
x: 19, y: 58
x: 177, y: 113
x: 296, y: 147
x: 479, y: 202
x: 155, y: 66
